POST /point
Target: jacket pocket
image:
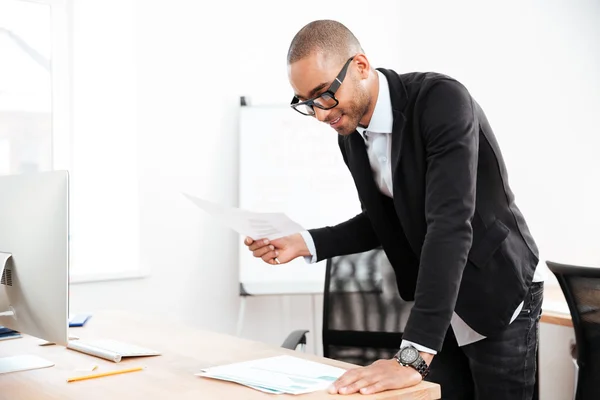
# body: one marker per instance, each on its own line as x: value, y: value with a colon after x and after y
x: 483, y: 249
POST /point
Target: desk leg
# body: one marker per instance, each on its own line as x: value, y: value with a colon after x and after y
x: 242, y: 310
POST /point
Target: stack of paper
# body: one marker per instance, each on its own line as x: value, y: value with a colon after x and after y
x: 277, y: 375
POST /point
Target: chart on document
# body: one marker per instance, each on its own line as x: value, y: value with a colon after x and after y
x: 290, y: 164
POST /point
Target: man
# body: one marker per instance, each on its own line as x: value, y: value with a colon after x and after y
x: 435, y: 195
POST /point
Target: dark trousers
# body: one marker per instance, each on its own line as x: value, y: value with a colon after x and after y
x: 500, y: 367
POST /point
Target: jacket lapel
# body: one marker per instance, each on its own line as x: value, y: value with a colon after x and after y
x: 407, y: 197
x: 358, y: 160
x: 399, y: 99
x: 397, y: 135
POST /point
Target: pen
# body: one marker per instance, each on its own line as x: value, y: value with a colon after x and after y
x: 120, y: 371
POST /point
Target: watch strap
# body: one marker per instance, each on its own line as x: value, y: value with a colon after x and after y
x: 421, y: 366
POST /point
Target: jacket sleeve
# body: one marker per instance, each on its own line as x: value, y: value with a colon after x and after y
x: 353, y: 236
x: 451, y: 139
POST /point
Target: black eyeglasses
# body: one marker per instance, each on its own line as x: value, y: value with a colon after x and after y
x: 324, y: 101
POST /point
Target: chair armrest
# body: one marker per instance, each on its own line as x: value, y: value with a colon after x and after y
x: 295, y: 339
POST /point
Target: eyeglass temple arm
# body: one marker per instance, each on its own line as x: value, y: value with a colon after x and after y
x: 338, y: 80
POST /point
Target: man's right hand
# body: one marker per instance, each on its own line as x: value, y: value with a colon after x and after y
x: 284, y: 249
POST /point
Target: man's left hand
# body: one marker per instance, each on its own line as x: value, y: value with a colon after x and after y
x: 377, y: 377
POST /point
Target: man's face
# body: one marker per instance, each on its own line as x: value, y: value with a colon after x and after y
x: 312, y: 75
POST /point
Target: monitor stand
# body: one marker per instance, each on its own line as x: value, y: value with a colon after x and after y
x: 22, y: 363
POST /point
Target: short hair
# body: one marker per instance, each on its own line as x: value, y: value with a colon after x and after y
x: 327, y: 36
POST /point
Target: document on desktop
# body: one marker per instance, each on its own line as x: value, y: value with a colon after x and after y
x: 280, y: 374
x: 253, y: 224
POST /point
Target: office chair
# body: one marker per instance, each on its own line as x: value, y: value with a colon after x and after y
x: 581, y: 287
x: 363, y: 314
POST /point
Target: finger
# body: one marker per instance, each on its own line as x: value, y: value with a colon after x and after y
x: 378, y: 386
x: 263, y: 250
x: 348, y: 378
x: 364, y: 382
x: 270, y: 256
x: 258, y: 244
x: 248, y: 241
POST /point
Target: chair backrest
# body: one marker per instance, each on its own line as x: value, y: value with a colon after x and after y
x: 581, y: 287
x: 363, y: 314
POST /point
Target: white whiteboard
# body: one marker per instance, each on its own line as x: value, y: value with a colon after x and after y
x: 292, y: 164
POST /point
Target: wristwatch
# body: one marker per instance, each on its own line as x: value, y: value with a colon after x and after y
x: 408, y: 356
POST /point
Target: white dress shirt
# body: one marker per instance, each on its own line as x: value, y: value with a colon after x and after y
x: 378, y: 142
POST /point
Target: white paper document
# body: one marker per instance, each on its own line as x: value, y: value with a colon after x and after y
x: 277, y: 375
x: 253, y: 224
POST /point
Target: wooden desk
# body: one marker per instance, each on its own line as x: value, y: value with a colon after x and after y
x: 169, y: 376
x: 555, y: 294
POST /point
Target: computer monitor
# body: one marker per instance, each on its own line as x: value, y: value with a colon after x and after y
x: 34, y: 243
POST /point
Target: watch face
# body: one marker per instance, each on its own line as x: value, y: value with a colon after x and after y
x: 409, y: 355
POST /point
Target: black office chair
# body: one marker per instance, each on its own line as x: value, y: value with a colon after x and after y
x: 581, y: 287
x: 363, y: 314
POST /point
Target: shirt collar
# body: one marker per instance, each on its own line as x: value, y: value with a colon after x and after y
x: 382, y: 120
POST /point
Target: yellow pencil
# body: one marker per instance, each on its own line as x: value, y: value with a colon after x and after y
x: 99, y: 375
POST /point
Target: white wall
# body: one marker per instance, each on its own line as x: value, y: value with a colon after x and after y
x: 533, y: 67
x: 557, y: 371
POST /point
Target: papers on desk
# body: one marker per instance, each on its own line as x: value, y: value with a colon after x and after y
x: 277, y: 375
x: 253, y: 224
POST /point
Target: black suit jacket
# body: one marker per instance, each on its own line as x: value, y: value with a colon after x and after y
x: 452, y: 232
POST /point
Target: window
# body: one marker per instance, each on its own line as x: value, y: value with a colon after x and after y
x: 25, y: 87
x: 67, y: 101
